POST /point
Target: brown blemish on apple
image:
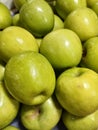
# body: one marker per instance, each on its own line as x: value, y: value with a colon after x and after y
x: 80, y: 86
x: 36, y: 113
x: 33, y: 114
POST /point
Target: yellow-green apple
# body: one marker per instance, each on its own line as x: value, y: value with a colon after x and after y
x: 2, y: 69
x: 37, y: 17
x: 41, y: 117
x: 29, y: 77
x: 52, y: 3
x: 15, y: 19
x: 5, y: 16
x: 19, y: 3
x: 94, y: 7
x: 38, y: 41
x: 90, y: 54
x: 64, y: 7
x: 77, y: 90
x: 14, y: 40
x: 8, y: 107
x: 62, y: 48
x: 58, y: 22
x: 72, y: 122
x: 91, y: 2
x: 83, y: 21
x: 10, y: 127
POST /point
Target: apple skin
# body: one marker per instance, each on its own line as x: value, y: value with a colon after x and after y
x: 52, y: 3
x: 41, y: 117
x: 58, y: 23
x: 90, y: 55
x: 2, y: 69
x: 14, y: 40
x: 94, y: 7
x: 5, y: 16
x: 62, y: 48
x: 93, y: 4
x: 84, y: 22
x: 72, y: 122
x: 38, y: 41
x: 8, y: 107
x: 64, y: 7
x: 19, y: 3
x: 11, y: 128
x: 29, y: 78
x: 15, y: 19
x: 37, y: 17
x: 76, y: 90
x: 90, y: 3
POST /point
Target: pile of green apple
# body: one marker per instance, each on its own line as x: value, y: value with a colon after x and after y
x: 47, y: 69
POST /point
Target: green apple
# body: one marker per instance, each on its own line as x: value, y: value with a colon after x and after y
x: 52, y: 3
x: 90, y: 54
x: 39, y: 40
x: 14, y: 40
x: 84, y: 22
x: 29, y: 78
x: 91, y: 2
x: 77, y: 90
x: 2, y: 69
x: 0, y: 56
x: 95, y: 7
x: 18, y: 3
x: 62, y: 48
x: 5, y: 16
x: 37, y: 17
x: 11, y: 128
x: 8, y: 107
x: 15, y: 19
x: 58, y: 22
x: 64, y: 7
x: 72, y: 122
x: 41, y: 117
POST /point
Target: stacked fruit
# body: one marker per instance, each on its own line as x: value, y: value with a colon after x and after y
x: 48, y: 64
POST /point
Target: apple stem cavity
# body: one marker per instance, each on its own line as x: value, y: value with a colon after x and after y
x: 35, y: 113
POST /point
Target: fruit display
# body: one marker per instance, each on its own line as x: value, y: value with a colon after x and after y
x: 49, y: 65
